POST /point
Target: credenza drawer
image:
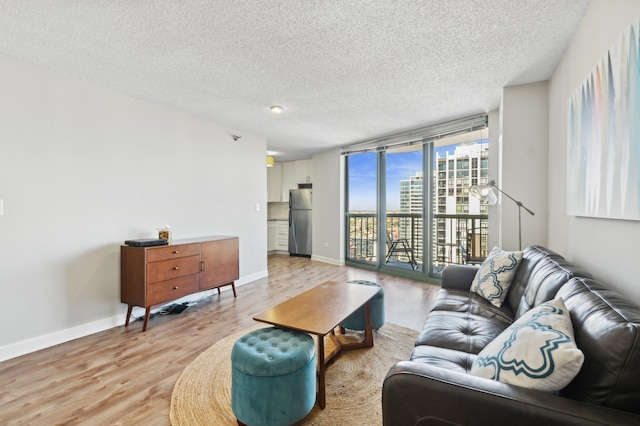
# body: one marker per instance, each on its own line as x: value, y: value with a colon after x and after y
x: 176, y: 288
x: 172, y: 252
x: 173, y: 268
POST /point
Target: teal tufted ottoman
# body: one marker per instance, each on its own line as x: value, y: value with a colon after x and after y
x: 273, y: 377
x: 356, y: 320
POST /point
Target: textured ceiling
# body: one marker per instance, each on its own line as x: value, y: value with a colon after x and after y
x: 344, y: 70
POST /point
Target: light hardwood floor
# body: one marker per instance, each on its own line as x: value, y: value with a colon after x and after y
x: 123, y: 376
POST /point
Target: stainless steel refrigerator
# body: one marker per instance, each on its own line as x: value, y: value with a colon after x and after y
x: 300, y: 222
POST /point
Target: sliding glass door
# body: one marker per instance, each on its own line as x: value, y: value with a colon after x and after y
x: 386, y: 188
x: 404, y: 207
x: 362, y: 199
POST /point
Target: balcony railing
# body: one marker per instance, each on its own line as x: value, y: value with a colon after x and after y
x: 456, y: 239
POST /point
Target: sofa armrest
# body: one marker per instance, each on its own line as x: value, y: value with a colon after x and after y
x: 458, y: 277
x: 422, y: 394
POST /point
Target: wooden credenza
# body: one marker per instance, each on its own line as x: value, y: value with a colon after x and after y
x: 151, y: 276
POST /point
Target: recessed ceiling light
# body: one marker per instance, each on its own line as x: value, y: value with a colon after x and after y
x: 276, y: 109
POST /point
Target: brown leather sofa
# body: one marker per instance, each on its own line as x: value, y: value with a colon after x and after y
x: 434, y: 386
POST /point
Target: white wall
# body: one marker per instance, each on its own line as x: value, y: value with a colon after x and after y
x: 523, y: 164
x: 82, y: 169
x: 494, y: 159
x: 328, y: 207
x: 608, y: 248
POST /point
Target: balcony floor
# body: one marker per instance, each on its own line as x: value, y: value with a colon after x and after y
x: 403, y: 265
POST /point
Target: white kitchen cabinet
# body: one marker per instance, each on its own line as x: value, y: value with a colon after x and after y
x: 274, y: 183
x: 303, y: 171
x: 289, y: 180
x: 284, y: 176
x: 282, y: 235
x: 278, y: 235
x: 271, y: 235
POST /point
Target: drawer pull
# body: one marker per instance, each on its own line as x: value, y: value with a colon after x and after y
x: 176, y: 252
x: 175, y: 287
x: 175, y: 268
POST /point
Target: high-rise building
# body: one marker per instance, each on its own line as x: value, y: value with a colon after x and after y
x: 456, y: 226
x: 457, y: 223
x: 411, y: 202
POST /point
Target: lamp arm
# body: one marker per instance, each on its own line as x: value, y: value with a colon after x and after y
x: 518, y: 203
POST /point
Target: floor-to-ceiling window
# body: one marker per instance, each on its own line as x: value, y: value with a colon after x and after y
x: 460, y: 222
x: 408, y: 206
x: 404, y: 207
x: 362, y: 199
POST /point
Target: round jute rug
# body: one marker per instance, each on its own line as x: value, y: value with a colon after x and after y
x: 202, y: 394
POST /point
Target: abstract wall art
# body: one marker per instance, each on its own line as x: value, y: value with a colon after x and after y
x: 603, y: 135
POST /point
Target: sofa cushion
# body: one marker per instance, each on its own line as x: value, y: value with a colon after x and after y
x: 465, y: 301
x: 537, y: 351
x: 531, y: 255
x: 444, y: 358
x: 463, y: 321
x: 494, y: 277
x: 545, y: 280
x: 607, y: 330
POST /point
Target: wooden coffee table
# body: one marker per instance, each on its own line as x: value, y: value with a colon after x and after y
x: 319, y: 311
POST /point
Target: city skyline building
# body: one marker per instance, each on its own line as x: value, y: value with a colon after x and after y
x: 412, y: 206
x: 459, y: 234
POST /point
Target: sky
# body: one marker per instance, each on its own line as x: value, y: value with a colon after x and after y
x: 362, y: 177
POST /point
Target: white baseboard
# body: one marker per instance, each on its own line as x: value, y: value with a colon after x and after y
x: 251, y: 278
x: 337, y: 262
x: 24, y: 347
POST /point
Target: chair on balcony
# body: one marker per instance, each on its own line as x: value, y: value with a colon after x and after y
x: 464, y: 253
x: 474, y: 252
x: 400, y: 246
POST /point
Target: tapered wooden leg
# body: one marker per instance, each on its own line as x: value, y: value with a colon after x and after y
x: 233, y: 287
x: 368, y: 330
x: 147, y: 312
x: 321, y: 373
x: 129, y: 309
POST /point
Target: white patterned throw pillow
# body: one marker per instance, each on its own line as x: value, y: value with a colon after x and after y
x: 494, y: 277
x: 537, y: 351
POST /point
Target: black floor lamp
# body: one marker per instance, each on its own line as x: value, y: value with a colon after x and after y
x: 486, y: 195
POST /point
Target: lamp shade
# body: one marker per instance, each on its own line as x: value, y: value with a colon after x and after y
x: 270, y: 161
x: 484, y: 193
